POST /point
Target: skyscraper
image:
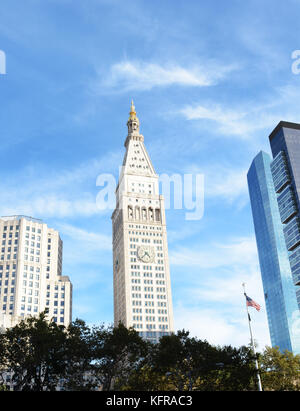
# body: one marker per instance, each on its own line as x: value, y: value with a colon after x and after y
x: 285, y: 145
x: 274, y: 187
x: 142, y: 289
x: 31, y: 278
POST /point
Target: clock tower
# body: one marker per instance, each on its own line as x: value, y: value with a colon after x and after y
x: 141, y: 273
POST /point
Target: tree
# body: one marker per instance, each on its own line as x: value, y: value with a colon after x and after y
x: 231, y: 369
x: 118, y: 351
x: 3, y: 360
x: 40, y: 355
x: 183, y: 359
x: 79, y: 352
x: 280, y: 371
x: 193, y: 364
x: 145, y: 378
x: 34, y: 350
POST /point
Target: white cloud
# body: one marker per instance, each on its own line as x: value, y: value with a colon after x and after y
x: 206, y: 324
x: 87, y: 239
x: 233, y: 122
x: 47, y: 205
x: 65, y: 193
x: 211, y: 303
x: 222, y: 286
x: 137, y: 75
x: 219, y: 329
x: 231, y: 187
x: 227, y: 183
x: 248, y: 118
x: 208, y: 255
x: 84, y: 247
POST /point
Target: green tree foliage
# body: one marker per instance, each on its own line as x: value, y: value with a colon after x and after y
x: 79, y: 354
x: 117, y: 351
x: 43, y: 356
x: 233, y: 370
x: 186, y: 363
x: 34, y: 350
x: 280, y: 371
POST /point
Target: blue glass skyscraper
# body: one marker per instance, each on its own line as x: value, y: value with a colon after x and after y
x: 285, y: 145
x: 274, y: 200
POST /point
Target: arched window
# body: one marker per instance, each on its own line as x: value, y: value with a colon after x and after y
x: 151, y: 214
x: 130, y: 213
x: 144, y: 213
x: 157, y: 214
x: 137, y: 213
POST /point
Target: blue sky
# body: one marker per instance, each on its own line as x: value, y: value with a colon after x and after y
x: 210, y: 80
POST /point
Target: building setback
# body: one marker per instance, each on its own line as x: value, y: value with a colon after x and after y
x: 31, y: 278
x: 141, y: 274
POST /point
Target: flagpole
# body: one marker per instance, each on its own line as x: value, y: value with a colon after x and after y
x: 252, y: 343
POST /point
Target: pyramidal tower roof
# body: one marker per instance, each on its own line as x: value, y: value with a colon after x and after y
x: 136, y: 159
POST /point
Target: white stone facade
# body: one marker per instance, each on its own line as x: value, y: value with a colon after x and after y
x: 30, y: 272
x: 142, y: 289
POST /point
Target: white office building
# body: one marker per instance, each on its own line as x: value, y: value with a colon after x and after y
x: 31, y: 279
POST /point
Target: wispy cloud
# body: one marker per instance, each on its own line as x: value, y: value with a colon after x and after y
x: 249, y: 117
x: 138, y: 75
x: 49, y: 205
x: 64, y: 193
x: 219, y: 254
x: 222, y: 181
x: 232, y: 122
x: 227, y: 183
x: 88, y: 239
x: 218, y: 328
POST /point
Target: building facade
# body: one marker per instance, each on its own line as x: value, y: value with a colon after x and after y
x: 141, y: 272
x: 31, y: 279
x: 285, y: 146
x: 274, y: 187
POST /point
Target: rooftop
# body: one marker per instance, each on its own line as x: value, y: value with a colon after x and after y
x: 284, y: 124
x: 18, y: 217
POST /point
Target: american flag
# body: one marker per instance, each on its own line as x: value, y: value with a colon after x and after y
x: 252, y: 303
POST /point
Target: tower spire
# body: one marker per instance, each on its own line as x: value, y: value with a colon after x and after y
x: 132, y: 109
x: 133, y: 122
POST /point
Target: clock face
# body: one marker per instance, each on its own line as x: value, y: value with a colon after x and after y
x: 146, y: 253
